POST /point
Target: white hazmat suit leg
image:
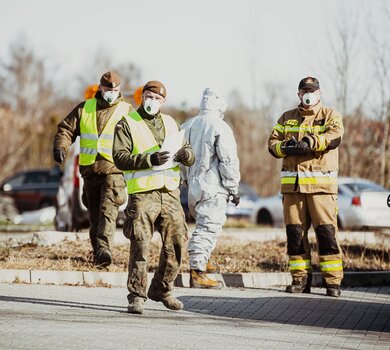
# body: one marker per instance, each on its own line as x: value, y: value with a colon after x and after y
x: 209, y: 218
x: 212, y: 178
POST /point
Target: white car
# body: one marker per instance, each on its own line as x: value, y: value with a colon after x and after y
x: 362, y: 204
x: 72, y: 215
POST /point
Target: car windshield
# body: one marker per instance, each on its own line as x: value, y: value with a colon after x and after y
x: 358, y: 187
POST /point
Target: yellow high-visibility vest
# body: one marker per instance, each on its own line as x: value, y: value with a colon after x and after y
x: 144, y: 142
x: 91, y: 143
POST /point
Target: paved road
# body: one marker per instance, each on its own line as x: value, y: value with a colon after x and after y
x: 51, y: 317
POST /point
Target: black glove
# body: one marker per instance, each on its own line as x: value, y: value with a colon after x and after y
x: 293, y: 147
x: 59, y: 155
x: 159, y: 158
x: 303, y: 146
x: 290, y: 143
x: 235, y: 198
x: 182, y: 155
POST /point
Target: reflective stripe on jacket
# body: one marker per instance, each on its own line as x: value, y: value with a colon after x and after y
x: 315, y: 172
x: 91, y: 143
x: 144, y: 142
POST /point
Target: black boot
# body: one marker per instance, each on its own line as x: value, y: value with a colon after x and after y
x: 103, y: 257
x: 300, y: 286
x: 333, y: 290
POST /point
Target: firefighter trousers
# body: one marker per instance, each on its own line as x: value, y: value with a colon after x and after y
x: 320, y: 209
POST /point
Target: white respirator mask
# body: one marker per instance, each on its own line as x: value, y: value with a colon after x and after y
x: 310, y: 99
x: 152, y: 106
x: 111, y: 96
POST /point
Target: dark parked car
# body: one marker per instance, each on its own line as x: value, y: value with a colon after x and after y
x: 33, y: 189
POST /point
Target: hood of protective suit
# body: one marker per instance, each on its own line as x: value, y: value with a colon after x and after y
x: 212, y: 102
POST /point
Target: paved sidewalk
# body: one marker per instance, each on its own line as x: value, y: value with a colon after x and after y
x: 46, y: 317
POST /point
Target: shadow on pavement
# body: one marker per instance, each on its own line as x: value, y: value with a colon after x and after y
x: 64, y: 303
x: 325, y: 312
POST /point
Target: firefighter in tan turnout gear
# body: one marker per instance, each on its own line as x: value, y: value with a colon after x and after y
x: 104, y: 190
x: 307, y: 139
x: 154, y: 197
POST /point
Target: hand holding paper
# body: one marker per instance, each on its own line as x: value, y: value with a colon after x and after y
x: 172, y: 144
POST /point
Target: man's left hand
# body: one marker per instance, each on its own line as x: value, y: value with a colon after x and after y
x: 182, y: 155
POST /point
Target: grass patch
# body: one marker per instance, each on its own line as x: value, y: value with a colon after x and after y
x: 231, y: 255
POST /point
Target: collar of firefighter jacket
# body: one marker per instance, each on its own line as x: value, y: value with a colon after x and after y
x: 309, y: 111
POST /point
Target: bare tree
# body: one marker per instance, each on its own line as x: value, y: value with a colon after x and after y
x: 381, y: 58
x: 130, y: 73
x: 25, y: 84
x: 345, y: 53
x: 28, y: 99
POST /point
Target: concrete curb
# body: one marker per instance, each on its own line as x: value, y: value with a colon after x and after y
x: 235, y: 280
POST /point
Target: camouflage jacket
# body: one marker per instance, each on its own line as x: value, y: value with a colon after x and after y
x: 69, y: 129
x: 123, y: 144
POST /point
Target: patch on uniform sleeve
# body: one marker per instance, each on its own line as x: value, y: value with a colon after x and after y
x: 337, y: 122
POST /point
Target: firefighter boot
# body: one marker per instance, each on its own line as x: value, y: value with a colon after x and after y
x: 168, y: 300
x: 136, y: 305
x: 333, y: 290
x: 199, y: 279
x: 300, y: 286
x: 212, y: 267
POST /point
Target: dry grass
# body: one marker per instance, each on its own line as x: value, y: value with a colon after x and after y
x: 231, y: 255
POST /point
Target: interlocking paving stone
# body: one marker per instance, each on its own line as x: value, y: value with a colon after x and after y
x: 44, y: 316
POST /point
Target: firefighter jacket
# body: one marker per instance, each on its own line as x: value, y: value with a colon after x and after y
x: 69, y: 129
x: 315, y: 172
x: 136, y: 137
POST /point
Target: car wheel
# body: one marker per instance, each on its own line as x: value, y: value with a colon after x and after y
x: 60, y: 227
x: 46, y: 203
x: 264, y: 218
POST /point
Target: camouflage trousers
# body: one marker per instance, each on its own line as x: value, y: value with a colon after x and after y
x: 102, y: 195
x: 145, y: 213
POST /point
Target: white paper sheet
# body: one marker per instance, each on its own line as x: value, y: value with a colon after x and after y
x: 172, y: 143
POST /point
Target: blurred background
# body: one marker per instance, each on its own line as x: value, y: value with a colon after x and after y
x: 254, y: 52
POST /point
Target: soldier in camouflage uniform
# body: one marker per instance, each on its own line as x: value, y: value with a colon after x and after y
x: 104, y: 191
x: 154, y: 197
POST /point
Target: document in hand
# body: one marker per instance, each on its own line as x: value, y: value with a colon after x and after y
x: 172, y: 143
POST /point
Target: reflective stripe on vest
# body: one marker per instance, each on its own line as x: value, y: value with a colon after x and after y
x: 144, y: 142
x: 335, y: 265
x: 308, y: 177
x: 90, y: 142
x: 300, y: 265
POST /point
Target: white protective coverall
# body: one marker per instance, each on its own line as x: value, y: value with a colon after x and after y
x: 212, y: 178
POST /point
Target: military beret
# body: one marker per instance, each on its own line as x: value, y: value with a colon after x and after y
x: 110, y: 79
x: 156, y: 87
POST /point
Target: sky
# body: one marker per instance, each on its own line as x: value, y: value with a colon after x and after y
x: 250, y: 46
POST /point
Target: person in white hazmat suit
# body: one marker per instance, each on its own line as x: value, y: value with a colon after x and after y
x: 212, y: 182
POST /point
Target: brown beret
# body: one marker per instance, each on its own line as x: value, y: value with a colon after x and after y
x: 156, y: 87
x: 110, y: 79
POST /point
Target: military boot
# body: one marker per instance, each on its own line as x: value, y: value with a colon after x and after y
x: 168, y: 300
x: 333, y: 290
x: 300, y: 285
x: 199, y: 279
x: 136, y: 305
x: 103, y: 257
x: 212, y: 267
